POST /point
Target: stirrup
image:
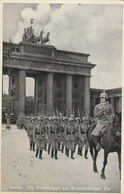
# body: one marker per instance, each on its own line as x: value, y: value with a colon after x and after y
x: 98, y: 147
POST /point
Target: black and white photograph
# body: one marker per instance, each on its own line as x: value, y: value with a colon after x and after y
x: 61, y: 104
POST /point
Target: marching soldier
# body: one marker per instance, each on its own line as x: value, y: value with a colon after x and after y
x: 69, y: 135
x: 77, y: 126
x: 62, y: 131
x: 49, y: 125
x: 54, y: 136
x: 30, y: 130
x: 45, y: 122
x: 83, y: 137
x: 40, y: 137
x: 104, y: 114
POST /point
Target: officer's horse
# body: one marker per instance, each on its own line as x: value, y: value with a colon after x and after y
x: 110, y: 142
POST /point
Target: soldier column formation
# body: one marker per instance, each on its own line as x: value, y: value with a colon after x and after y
x: 56, y: 133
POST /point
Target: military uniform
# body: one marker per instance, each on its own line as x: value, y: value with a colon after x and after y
x: 77, y: 126
x: 54, y: 136
x: 70, y: 137
x: 62, y: 132
x: 40, y: 137
x: 30, y: 130
x: 104, y: 115
x: 83, y: 137
x: 49, y: 125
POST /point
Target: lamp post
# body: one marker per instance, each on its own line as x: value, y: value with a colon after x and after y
x: 8, y: 126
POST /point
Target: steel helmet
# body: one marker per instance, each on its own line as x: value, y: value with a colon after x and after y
x: 84, y: 119
x: 55, y: 118
x: 103, y: 95
x: 65, y: 118
x: 70, y: 119
x: 77, y: 118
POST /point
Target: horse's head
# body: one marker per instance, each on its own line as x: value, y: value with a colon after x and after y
x: 117, y: 121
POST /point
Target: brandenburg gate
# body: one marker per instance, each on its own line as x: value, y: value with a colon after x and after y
x: 62, y: 78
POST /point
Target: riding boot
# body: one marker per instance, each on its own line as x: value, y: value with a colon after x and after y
x: 85, y: 154
x: 33, y: 146
x: 37, y: 152
x: 30, y: 146
x: 98, y: 146
x: 52, y: 153
x: 40, y: 154
x: 72, y: 153
x: 56, y: 151
x: 62, y: 148
x: 48, y: 149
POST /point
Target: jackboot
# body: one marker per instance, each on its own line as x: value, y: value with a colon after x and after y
x: 33, y: 146
x: 51, y: 153
x: 36, y: 155
x: 56, y: 151
x: 30, y: 146
x: 85, y: 154
x: 40, y: 154
x: 62, y: 148
x: 67, y: 152
x: 78, y: 151
x: 48, y: 149
x: 72, y: 153
x: 45, y: 147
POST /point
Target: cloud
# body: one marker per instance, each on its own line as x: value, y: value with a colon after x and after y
x: 93, y: 29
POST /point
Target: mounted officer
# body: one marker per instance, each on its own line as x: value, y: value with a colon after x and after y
x: 104, y: 114
x: 30, y: 131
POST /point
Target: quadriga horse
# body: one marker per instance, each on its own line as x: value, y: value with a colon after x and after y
x: 110, y: 142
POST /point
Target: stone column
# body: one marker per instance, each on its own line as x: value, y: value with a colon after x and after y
x: 21, y: 104
x: 49, y: 95
x: 69, y: 94
x: 36, y: 96
x: 87, y: 95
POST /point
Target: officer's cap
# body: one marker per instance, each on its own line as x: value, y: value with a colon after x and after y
x: 103, y: 95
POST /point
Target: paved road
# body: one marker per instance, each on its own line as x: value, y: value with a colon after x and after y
x: 21, y: 171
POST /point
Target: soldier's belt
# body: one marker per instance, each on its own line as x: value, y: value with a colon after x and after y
x: 82, y: 132
x: 37, y: 133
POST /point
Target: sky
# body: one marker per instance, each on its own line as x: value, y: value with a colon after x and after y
x: 95, y: 29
